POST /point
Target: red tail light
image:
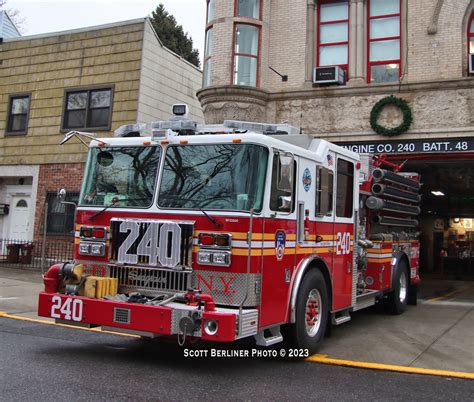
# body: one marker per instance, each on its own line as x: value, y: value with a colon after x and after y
x: 206, y: 239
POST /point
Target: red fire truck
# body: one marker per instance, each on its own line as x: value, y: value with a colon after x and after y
x: 222, y: 232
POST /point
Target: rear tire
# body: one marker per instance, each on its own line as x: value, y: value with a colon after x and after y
x: 397, y: 299
x: 312, y: 310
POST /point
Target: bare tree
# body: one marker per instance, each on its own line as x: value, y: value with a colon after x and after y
x: 15, y: 16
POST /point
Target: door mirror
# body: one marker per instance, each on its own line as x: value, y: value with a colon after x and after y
x: 285, y: 173
x: 62, y: 194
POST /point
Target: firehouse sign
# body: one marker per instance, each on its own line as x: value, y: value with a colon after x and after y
x: 417, y: 146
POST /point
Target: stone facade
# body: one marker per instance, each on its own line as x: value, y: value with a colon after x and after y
x: 434, y: 78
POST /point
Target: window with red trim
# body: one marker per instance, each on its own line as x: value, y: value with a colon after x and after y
x: 248, y: 8
x: 385, y: 41
x: 246, y: 54
x: 211, y: 10
x: 207, y: 58
x: 333, y: 33
x: 470, y: 36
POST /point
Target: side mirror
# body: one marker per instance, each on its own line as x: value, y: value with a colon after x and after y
x: 284, y: 203
x: 62, y: 194
x: 285, y: 173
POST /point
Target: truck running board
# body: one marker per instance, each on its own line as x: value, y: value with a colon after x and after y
x: 367, y: 299
x: 340, y: 318
x: 264, y: 339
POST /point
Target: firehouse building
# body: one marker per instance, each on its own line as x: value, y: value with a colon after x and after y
x: 331, y: 67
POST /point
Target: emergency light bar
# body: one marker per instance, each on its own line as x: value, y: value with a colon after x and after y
x: 269, y: 129
x: 130, y: 130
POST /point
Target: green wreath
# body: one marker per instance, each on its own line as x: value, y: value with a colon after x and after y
x: 400, y: 103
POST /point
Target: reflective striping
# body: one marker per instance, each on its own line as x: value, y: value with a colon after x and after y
x: 323, y: 359
x: 381, y: 256
x: 379, y: 260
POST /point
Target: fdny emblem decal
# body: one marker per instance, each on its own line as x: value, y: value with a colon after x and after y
x: 306, y: 180
x: 280, y: 241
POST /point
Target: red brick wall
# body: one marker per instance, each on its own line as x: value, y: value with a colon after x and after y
x: 51, y: 178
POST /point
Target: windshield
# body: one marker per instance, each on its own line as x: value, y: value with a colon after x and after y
x: 225, y: 176
x: 121, y: 176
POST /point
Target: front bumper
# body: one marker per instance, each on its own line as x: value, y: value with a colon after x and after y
x: 146, y: 319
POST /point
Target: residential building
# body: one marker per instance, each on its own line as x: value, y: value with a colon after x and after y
x: 93, y: 79
x: 8, y: 28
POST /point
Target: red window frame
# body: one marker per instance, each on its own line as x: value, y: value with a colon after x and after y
x: 259, y: 29
x: 206, y: 57
x: 470, y: 36
x: 207, y: 11
x: 369, y: 41
x: 319, y: 44
x: 236, y: 10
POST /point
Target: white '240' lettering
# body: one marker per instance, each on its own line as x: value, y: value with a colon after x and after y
x: 343, y: 243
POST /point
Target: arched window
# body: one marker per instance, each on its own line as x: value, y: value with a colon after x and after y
x: 22, y: 204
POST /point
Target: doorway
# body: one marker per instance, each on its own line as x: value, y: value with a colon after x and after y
x: 20, y: 218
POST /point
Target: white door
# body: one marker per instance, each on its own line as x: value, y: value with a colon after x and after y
x: 19, y: 218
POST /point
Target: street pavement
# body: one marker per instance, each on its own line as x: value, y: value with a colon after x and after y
x: 437, y: 334
x: 47, y: 362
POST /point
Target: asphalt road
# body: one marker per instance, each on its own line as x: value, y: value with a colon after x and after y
x: 47, y: 362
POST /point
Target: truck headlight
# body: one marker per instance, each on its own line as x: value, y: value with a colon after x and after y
x: 95, y: 249
x: 84, y: 248
x: 98, y: 249
x: 220, y: 258
x: 214, y: 258
x: 204, y: 257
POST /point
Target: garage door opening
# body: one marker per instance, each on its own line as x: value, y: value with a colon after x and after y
x: 447, y: 212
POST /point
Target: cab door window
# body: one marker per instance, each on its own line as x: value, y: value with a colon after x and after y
x: 282, y: 200
x: 324, y: 192
x: 345, y: 189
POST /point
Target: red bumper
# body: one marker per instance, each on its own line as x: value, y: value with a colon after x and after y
x: 159, y: 320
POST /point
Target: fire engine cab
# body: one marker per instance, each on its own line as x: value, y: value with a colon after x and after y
x: 222, y: 232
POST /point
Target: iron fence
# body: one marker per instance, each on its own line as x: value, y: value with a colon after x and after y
x: 30, y: 254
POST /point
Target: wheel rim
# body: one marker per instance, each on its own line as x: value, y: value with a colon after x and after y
x: 313, y: 312
x: 403, y: 287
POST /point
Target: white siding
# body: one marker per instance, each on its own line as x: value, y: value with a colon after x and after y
x: 7, y: 28
x: 165, y: 79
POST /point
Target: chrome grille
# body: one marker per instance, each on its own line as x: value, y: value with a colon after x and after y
x: 149, y: 281
x: 118, y: 238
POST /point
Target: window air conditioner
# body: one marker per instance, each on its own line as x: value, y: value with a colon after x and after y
x: 329, y: 75
x: 471, y: 63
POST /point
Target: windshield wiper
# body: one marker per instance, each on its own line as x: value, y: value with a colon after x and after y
x: 213, y: 220
x: 115, y: 201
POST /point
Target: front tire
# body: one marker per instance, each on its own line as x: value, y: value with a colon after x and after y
x: 312, y: 309
x: 398, y: 297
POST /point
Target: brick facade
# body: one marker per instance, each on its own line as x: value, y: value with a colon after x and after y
x: 434, y: 79
x: 51, y: 178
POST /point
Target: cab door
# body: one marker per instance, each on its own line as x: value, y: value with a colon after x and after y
x: 279, y: 237
x: 342, y: 272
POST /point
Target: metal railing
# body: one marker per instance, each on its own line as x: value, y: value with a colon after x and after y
x: 31, y: 254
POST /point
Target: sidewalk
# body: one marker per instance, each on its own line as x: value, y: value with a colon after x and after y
x: 437, y: 334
